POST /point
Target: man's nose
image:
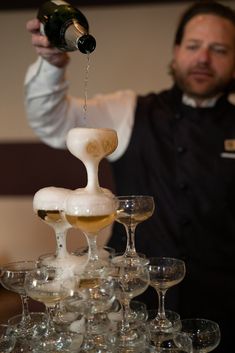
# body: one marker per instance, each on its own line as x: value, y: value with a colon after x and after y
x: 204, y: 55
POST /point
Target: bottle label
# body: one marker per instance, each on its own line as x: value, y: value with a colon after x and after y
x: 59, y: 2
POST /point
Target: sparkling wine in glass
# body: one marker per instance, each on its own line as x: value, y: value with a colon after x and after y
x: 91, y: 213
x: 48, y: 204
x: 165, y: 272
x: 50, y: 285
x: 91, y: 208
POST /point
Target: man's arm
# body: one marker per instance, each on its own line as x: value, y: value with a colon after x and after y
x: 52, y: 112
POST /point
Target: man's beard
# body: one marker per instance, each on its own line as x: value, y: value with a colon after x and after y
x: 219, y: 86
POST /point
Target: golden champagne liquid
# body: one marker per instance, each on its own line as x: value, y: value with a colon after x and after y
x: 131, y: 219
x: 163, y: 284
x: 91, y: 224
x: 50, y: 216
x: 48, y: 298
x: 86, y: 90
x: 86, y: 283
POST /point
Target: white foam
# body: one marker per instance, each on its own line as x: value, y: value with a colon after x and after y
x: 71, y: 264
x: 78, y: 326
x: 50, y: 198
x: 84, y: 203
x: 102, y: 142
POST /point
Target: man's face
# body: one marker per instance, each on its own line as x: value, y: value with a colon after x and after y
x: 204, y: 63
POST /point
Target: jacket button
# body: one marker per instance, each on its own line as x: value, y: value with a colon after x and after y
x: 178, y: 116
x: 181, y: 149
x: 183, y: 185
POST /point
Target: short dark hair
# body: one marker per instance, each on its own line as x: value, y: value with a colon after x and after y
x: 203, y: 7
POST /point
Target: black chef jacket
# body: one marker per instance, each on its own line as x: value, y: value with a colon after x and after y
x: 176, y: 154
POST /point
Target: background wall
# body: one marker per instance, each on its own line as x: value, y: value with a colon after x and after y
x: 134, y: 46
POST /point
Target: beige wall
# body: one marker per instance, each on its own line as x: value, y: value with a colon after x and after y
x: 133, y: 50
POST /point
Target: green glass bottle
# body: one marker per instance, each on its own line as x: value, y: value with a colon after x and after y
x: 65, y: 26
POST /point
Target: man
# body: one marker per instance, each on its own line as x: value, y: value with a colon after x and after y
x: 177, y: 146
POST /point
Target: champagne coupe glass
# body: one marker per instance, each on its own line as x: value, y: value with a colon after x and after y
x: 27, y: 337
x: 205, y: 334
x: 36, y: 327
x: 90, y: 214
x: 138, y: 311
x: 92, y: 208
x: 90, y: 146
x: 132, y: 278
x: 133, y: 210
x: 48, y: 204
x: 158, y: 336
x: 165, y: 272
x: 50, y: 285
x: 92, y: 299
x: 12, y: 277
x: 172, y: 316
x: 7, y: 340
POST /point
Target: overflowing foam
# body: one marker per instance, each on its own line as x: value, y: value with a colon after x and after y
x: 82, y: 203
x: 91, y: 143
x: 90, y: 146
x: 71, y: 264
x: 50, y: 198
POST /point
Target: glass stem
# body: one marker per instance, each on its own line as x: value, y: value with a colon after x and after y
x: 92, y: 167
x: 130, y: 246
x: 50, y: 314
x: 89, y: 323
x: 61, y: 250
x: 25, y: 306
x: 161, y: 304
x: 126, y: 309
x: 92, y: 244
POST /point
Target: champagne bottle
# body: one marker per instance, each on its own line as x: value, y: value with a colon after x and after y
x: 65, y: 26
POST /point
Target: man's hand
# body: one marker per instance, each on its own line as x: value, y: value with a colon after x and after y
x: 43, y: 47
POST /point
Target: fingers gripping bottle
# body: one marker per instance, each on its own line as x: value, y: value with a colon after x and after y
x: 65, y: 26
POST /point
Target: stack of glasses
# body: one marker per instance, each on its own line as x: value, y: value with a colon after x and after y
x: 89, y: 295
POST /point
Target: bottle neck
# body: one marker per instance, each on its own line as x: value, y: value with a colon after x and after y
x: 73, y: 33
x: 77, y: 37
